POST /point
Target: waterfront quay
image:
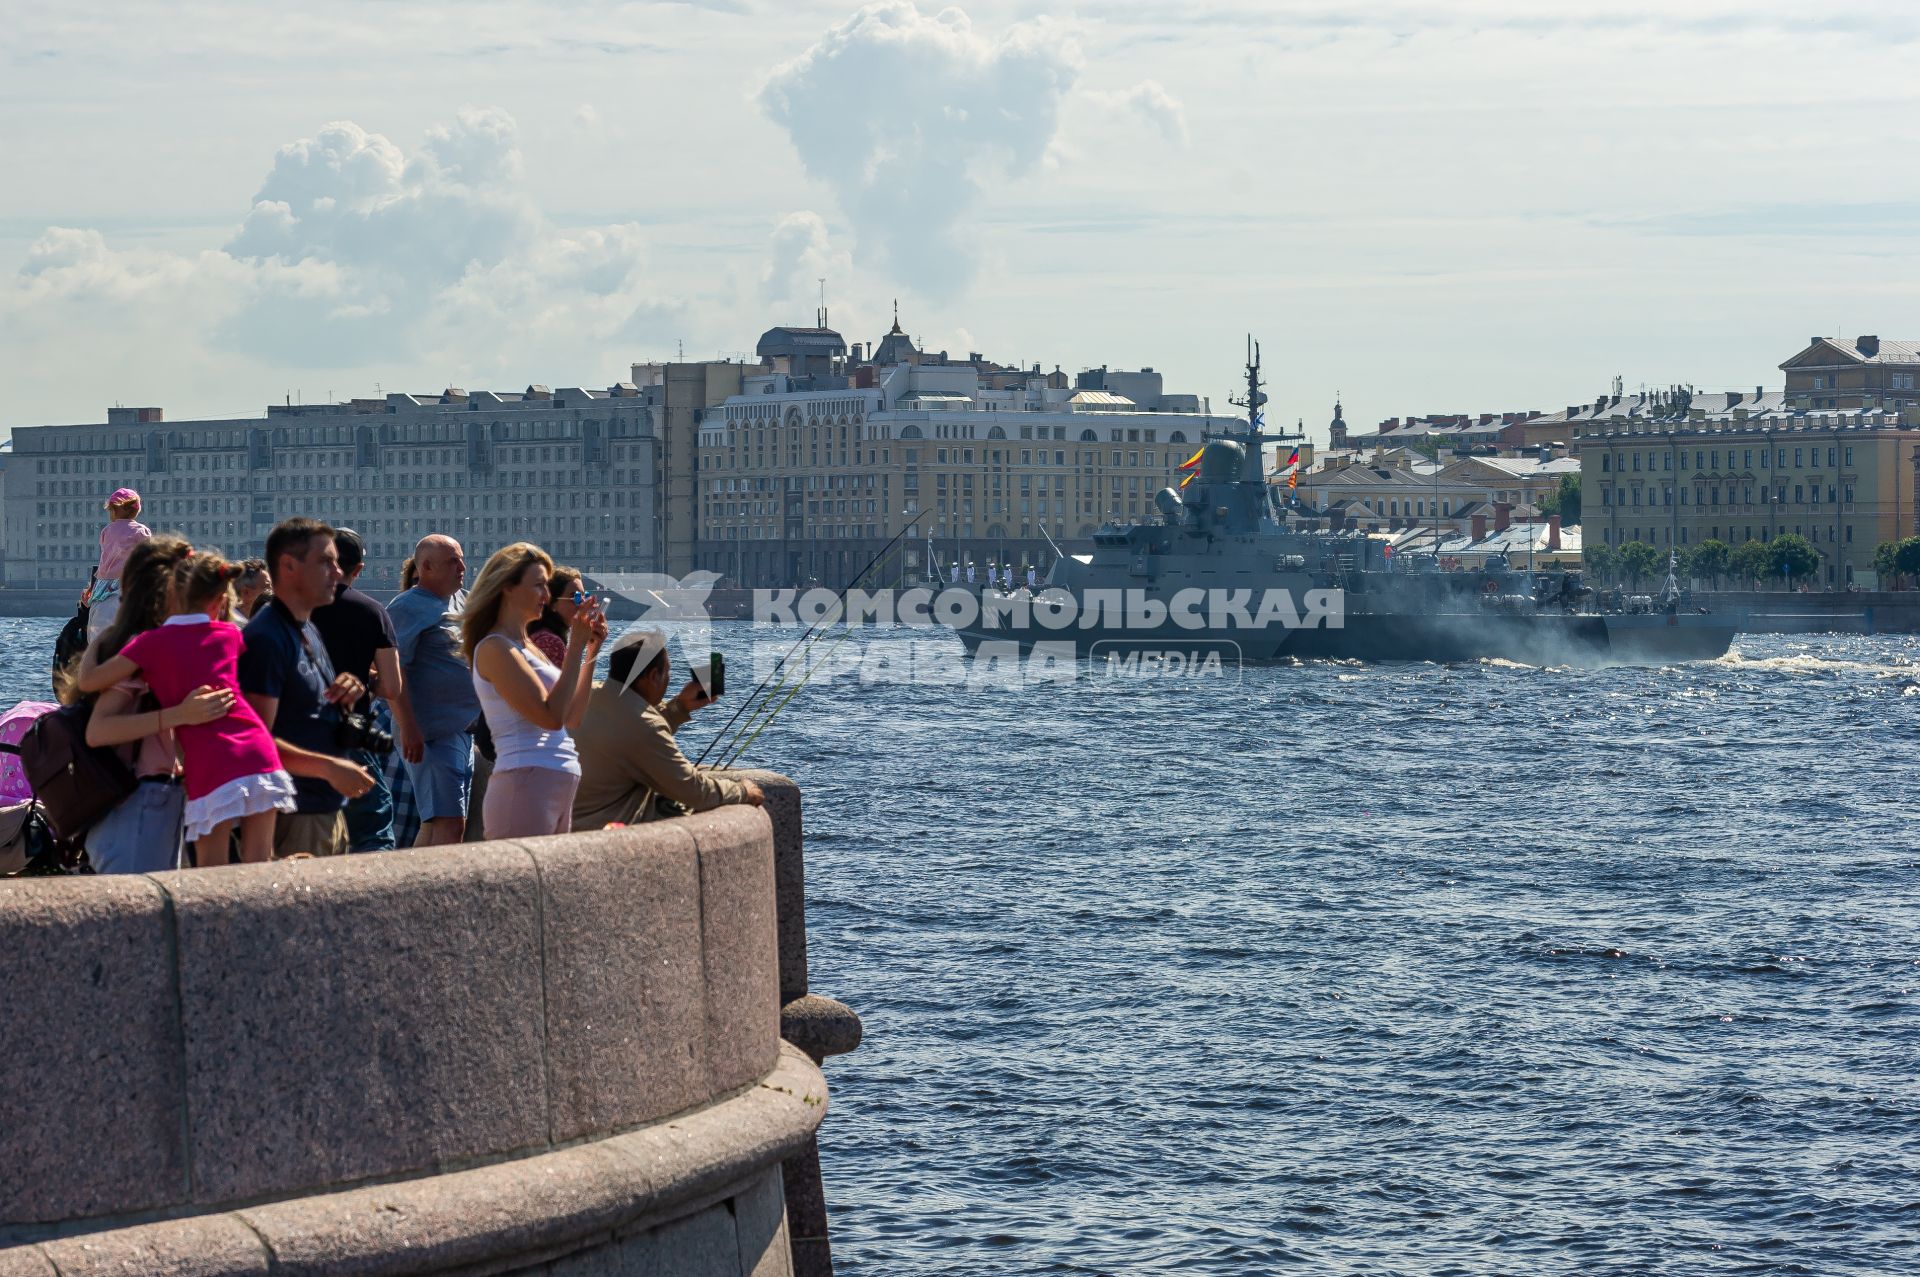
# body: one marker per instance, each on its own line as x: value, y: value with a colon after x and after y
x: 590, y: 1053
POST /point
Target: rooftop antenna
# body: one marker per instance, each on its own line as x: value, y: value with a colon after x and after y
x: 820, y: 318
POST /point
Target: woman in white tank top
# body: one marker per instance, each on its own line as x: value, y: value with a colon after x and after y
x: 530, y: 703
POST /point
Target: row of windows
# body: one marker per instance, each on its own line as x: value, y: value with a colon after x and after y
x: 1709, y: 459
x: 1831, y: 381
x: 1709, y: 495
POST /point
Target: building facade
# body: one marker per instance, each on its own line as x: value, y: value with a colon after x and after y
x: 820, y: 462
x: 1853, y: 375
x: 1843, y: 480
x: 574, y: 470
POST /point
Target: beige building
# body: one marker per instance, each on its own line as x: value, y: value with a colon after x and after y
x: 827, y: 454
x: 1853, y: 374
x: 1389, y: 489
x: 1843, y: 480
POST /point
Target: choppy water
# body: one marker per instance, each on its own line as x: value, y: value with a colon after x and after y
x: 1403, y: 969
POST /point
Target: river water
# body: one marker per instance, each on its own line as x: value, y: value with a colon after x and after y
x: 1344, y: 969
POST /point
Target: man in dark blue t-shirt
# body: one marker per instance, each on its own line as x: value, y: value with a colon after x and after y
x: 286, y: 676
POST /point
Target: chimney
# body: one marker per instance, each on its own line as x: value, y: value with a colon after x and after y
x: 1869, y: 345
x: 1502, y: 515
x: 1479, y: 527
x: 1553, y: 532
x: 1757, y: 392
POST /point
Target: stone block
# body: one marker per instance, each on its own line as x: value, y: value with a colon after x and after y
x: 738, y: 942
x: 760, y: 1218
x: 820, y: 1026
x: 486, y: 1217
x: 26, y: 1261
x: 625, y: 986
x: 93, y: 1122
x: 201, y: 1246
x: 789, y: 877
x: 703, y: 1244
x: 387, y: 1011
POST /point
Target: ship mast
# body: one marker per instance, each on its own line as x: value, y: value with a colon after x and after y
x: 1255, y: 466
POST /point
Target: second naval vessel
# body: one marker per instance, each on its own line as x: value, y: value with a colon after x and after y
x: 1226, y: 570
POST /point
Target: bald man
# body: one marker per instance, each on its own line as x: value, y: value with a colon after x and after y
x: 439, y: 690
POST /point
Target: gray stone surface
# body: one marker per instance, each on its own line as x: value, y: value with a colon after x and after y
x: 25, y: 1261
x: 626, y: 987
x: 703, y: 1244
x: 790, y: 878
x: 739, y: 946
x: 820, y: 1026
x: 763, y: 1125
x: 202, y: 1246
x: 357, y: 1017
x: 92, y: 1122
x: 533, y: 1206
x: 760, y: 1218
x: 807, y: 1213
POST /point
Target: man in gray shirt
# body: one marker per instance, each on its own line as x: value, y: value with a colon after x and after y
x: 439, y: 689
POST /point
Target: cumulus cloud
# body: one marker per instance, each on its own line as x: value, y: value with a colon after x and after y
x: 801, y: 254
x: 354, y: 251
x: 1149, y: 100
x: 907, y: 116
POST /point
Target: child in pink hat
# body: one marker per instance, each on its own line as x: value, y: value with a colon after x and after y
x: 123, y: 531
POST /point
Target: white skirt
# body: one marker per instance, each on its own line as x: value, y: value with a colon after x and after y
x: 242, y: 796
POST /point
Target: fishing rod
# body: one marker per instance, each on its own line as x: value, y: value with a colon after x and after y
x: 782, y: 666
x: 812, y: 668
x: 759, y: 713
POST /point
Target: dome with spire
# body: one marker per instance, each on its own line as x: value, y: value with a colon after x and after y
x: 1337, y: 428
x: 896, y: 347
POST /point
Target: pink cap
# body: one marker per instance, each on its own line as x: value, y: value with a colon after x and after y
x: 123, y: 495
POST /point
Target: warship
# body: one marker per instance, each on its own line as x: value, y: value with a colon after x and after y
x: 1227, y: 571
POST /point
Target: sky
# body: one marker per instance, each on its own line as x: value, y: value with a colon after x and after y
x: 1477, y: 205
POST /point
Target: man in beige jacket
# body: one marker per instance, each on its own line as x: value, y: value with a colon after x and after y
x: 629, y: 760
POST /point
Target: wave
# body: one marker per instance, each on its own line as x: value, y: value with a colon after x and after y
x: 1806, y: 663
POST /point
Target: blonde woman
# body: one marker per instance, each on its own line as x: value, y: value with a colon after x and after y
x: 530, y: 703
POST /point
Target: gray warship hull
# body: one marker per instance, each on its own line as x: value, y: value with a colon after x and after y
x: 1446, y: 637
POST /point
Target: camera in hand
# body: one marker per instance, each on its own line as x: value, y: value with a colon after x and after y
x: 357, y: 731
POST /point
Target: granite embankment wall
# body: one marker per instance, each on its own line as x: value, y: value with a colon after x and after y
x: 557, y: 1055
x: 1832, y: 611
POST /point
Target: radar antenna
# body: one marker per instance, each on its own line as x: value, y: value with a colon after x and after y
x: 1254, y: 402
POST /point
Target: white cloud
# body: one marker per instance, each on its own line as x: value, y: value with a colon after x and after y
x: 354, y: 252
x: 801, y: 254
x: 1150, y: 100
x: 907, y: 116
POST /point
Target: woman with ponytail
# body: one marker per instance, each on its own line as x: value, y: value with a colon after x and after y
x: 233, y: 772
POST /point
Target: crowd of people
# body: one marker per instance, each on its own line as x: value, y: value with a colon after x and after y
x: 272, y: 707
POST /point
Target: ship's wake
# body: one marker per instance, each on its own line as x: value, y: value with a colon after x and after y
x: 1806, y: 663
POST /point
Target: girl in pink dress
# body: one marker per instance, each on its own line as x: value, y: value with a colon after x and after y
x: 233, y: 770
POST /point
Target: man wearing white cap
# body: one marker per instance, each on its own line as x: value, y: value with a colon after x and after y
x: 629, y: 760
